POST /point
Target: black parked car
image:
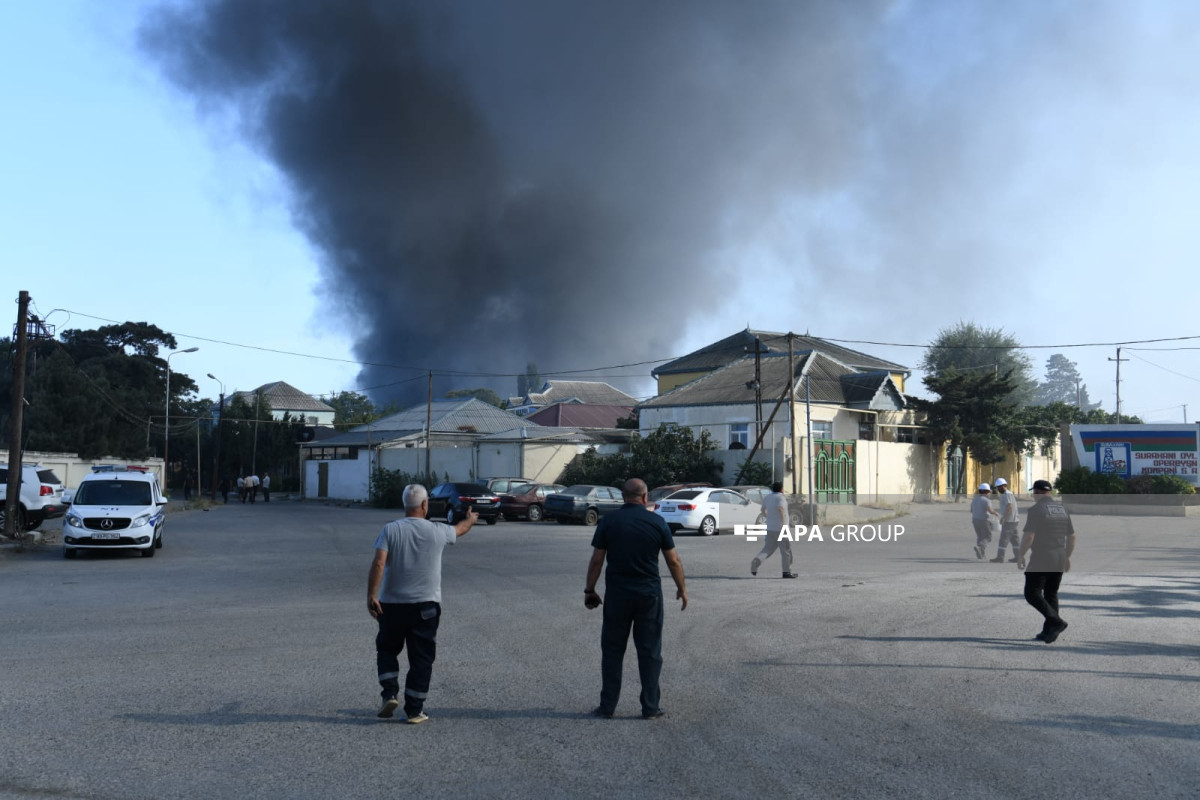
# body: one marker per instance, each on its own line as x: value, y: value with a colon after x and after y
x: 583, y: 503
x: 449, y: 502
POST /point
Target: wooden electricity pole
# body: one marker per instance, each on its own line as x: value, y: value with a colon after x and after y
x: 12, y: 501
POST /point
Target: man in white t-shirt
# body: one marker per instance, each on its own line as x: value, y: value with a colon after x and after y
x: 408, y: 567
x: 775, y: 507
x: 1009, y: 521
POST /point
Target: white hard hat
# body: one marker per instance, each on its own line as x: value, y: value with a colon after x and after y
x: 1001, y: 482
x: 983, y: 487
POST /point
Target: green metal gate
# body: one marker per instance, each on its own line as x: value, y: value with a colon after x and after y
x: 833, y: 471
x: 955, y: 481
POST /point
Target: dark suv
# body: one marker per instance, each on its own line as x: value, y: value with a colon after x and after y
x: 583, y: 503
x: 449, y: 502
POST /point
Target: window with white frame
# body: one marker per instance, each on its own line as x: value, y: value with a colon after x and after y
x: 822, y: 430
x: 739, y: 435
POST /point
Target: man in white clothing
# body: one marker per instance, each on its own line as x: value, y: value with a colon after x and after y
x: 775, y: 507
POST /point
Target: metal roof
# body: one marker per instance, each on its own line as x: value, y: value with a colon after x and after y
x: 734, y: 347
x: 466, y: 417
x: 590, y: 392
x: 581, y: 415
x: 829, y: 382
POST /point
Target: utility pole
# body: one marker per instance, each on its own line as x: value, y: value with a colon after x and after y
x: 428, y: 423
x: 758, y: 386
x: 1118, y: 359
x: 216, y: 478
x: 167, y: 421
x: 254, y: 448
x: 792, y: 414
x: 13, y: 498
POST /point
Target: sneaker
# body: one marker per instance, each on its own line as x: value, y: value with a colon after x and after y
x: 600, y: 712
x: 417, y: 718
x: 389, y: 707
x: 1013, y: 560
x: 1051, y: 633
x: 979, y: 551
x: 657, y: 713
x: 754, y: 565
x: 790, y: 575
x: 997, y: 560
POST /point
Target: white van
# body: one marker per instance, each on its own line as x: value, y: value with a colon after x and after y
x: 115, y: 508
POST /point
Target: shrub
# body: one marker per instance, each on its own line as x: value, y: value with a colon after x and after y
x: 1082, y: 480
x: 387, y: 486
x: 1170, y: 484
x: 755, y: 473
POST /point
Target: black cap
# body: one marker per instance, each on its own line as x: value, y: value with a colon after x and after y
x: 1042, y: 486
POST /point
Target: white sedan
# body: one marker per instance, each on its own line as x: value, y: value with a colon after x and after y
x: 708, y: 511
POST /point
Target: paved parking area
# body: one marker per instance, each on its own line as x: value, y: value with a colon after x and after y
x: 239, y: 662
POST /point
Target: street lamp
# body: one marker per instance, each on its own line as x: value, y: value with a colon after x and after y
x: 167, y: 420
x: 217, y: 449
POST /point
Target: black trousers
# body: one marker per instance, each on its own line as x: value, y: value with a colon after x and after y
x: 1041, y: 592
x: 415, y: 625
x: 644, y: 613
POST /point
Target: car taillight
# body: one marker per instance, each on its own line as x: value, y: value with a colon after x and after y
x: 462, y: 498
x: 45, y: 490
x: 686, y: 507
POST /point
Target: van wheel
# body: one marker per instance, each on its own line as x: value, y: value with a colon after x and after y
x: 708, y: 526
x: 590, y: 517
x: 69, y: 552
x: 148, y: 552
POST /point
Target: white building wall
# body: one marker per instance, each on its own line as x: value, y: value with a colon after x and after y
x: 891, y: 469
x: 348, y: 478
x: 457, y: 462
x: 70, y: 468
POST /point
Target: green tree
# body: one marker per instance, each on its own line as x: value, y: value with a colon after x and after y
x: 486, y: 395
x: 1063, y: 384
x: 667, y: 455
x: 967, y: 347
x: 972, y: 412
x: 352, y: 408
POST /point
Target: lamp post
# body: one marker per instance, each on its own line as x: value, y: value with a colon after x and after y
x: 167, y: 420
x: 217, y: 449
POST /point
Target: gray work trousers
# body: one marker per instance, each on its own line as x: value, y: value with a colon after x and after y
x: 772, y: 544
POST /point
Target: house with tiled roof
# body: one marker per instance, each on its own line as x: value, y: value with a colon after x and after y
x: 581, y: 415
x: 848, y: 406
x: 596, y: 393
x: 737, y: 346
x: 283, y: 398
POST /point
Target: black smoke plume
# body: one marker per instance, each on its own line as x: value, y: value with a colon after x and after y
x: 494, y: 183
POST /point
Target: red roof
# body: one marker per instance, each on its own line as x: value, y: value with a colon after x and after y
x: 580, y: 415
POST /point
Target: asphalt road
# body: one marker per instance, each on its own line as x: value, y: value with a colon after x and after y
x: 239, y: 662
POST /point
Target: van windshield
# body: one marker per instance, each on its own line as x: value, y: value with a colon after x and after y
x: 113, y: 493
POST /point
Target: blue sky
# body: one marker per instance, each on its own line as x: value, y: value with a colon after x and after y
x: 1035, y: 170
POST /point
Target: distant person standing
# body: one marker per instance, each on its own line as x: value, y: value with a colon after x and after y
x: 1009, y: 519
x: 223, y: 488
x: 408, y: 568
x: 981, y: 518
x: 241, y: 487
x: 631, y: 538
x: 252, y: 488
x: 1051, y: 536
x: 187, y: 487
x: 266, y: 487
x: 775, y: 507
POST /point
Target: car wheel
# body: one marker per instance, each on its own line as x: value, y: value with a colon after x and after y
x: 535, y: 513
x: 449, y: 516
x: 708, y: 526
x: 490, y: 520
x: 69, y: 552
x: 590, y: 517
x: 761, y: 519
x: 148, y: 552
x: 795, y: 518
x: 18, y: 518
x: 674, y: 526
